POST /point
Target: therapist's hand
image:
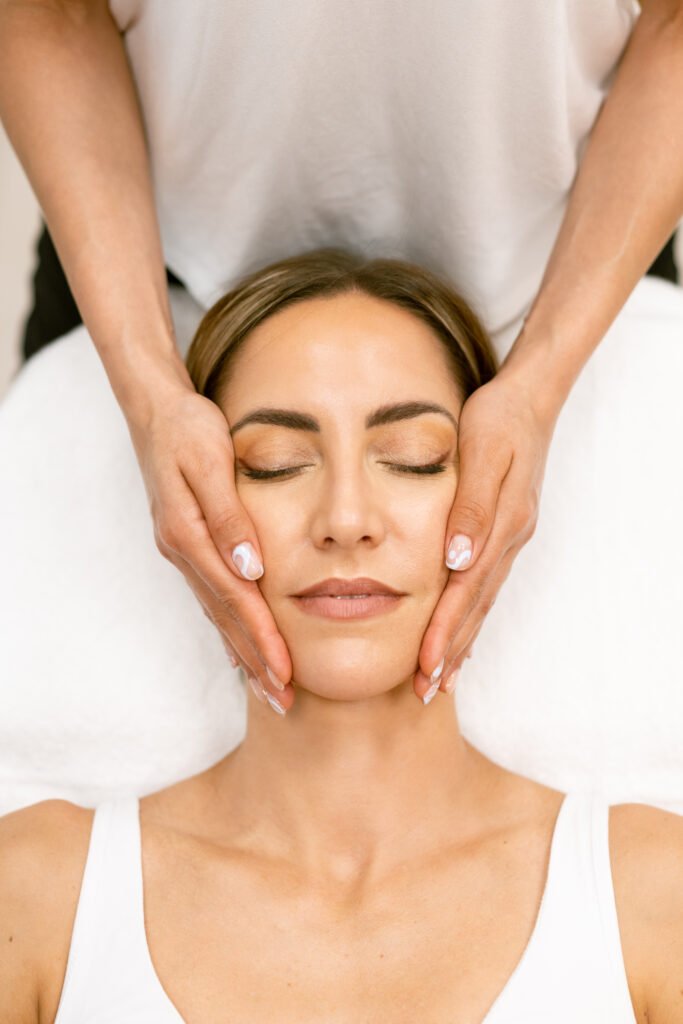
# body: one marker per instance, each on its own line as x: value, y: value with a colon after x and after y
x: 503, y: 441
x: 186, y: 456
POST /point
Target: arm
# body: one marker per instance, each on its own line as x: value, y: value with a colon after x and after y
x: 69, y: 104
x: 625, y: 202
x: 77, y: 128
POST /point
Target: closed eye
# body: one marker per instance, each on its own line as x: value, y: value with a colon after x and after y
x: 272, y: 474
x: 269, y: 474
x: 430, y: 467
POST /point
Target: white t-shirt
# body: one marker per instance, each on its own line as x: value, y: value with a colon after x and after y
x: 446, y: 132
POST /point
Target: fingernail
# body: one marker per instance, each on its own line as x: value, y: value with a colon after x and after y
x: 277, y: 683
x: 275, y: 704
x: 258, y: 689
x: 230, y: 653
x: 436, y: 674
x: 246, y: 561
x: 431, y: 693
x: 459, y: 552
x: 452, y: 680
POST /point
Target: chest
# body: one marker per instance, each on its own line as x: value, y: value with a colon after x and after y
x: 436, y: 945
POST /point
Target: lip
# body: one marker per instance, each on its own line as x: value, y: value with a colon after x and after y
x: 338, y: 598
x: 337, y: 586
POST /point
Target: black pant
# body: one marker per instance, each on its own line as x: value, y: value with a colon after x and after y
x: 54, y: 311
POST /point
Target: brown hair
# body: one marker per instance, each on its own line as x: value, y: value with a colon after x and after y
x: 333, y: 271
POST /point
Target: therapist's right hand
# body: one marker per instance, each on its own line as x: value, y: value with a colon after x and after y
x: 186, y: 456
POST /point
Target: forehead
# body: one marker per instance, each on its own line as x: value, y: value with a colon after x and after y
x: 350, y: 347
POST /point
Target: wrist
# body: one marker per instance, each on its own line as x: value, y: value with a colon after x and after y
x: 536, y: 365
x: 146, y: 375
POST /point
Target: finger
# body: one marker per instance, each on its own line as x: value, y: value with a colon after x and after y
x: 426, y: 690
x: 211, y: 479
x: 460, y: 596
x: 455, y: 663
x: 422, y: 684
x: 482, y: 470
x: 514, y: 525
x: 422, y: 687
x: 451, y: 672
x: 457, y: 648
x: 243, y: 618
x: 189, y: 540
x: 229, y: 650
x: 225, y: 523
x: 237, y: 642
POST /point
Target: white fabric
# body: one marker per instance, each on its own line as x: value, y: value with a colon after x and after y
x: 447, y: 132
x: 574, y: 949
x: 113, y: 682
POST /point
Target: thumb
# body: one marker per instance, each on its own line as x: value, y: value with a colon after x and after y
x: 474, y: 507
x: 229, y: 525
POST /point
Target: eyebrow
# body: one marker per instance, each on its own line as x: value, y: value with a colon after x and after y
x: 294, y: 420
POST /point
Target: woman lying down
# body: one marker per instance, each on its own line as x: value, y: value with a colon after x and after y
x: 356, y: 860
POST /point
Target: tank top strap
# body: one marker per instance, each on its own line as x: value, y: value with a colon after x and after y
x: 108, y: 951
x: 575, y: 948
x: 581, y: 924
x: 606, y: 905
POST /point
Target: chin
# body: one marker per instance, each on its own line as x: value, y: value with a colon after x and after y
x: 351, y: 668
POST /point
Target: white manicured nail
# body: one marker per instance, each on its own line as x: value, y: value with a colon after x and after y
x: 459, y: 552
x: 258, y: 689
x: 231, y: 657
x: 246, y: 561
x: 452, y: 680
x: 277, y: 683
x: 436, y: 674
x: 275, y: 704
x: 431, y: 693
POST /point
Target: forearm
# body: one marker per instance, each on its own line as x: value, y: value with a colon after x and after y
x: 70, y: 109
x: 626, y: 201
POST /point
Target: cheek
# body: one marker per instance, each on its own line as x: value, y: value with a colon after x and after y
x: 279, y: 524
x: 421, y: 528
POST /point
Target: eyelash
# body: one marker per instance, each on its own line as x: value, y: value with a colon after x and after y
x: 270, y: 474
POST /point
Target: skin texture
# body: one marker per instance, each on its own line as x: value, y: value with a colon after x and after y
x: 357, y: 854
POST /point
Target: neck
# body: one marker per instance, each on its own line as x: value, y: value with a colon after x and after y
x: 349, y: 789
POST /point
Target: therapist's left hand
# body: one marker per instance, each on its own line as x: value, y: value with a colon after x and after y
x: 503, y: 440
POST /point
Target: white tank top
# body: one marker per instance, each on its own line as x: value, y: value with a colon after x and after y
x: 446, y: 132
x: 571, y: 970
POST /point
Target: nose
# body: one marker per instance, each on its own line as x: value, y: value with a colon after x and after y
x: 349, y: 510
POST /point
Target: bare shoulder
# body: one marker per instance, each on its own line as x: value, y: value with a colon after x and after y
x: 646, y: 854
x: 43, y: 849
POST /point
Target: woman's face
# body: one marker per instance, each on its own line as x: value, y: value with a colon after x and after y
x: 336, y: 405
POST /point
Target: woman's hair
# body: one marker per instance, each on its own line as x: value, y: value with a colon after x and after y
x: 333, y: 271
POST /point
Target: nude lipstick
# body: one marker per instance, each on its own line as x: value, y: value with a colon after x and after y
x: 352, y: 599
